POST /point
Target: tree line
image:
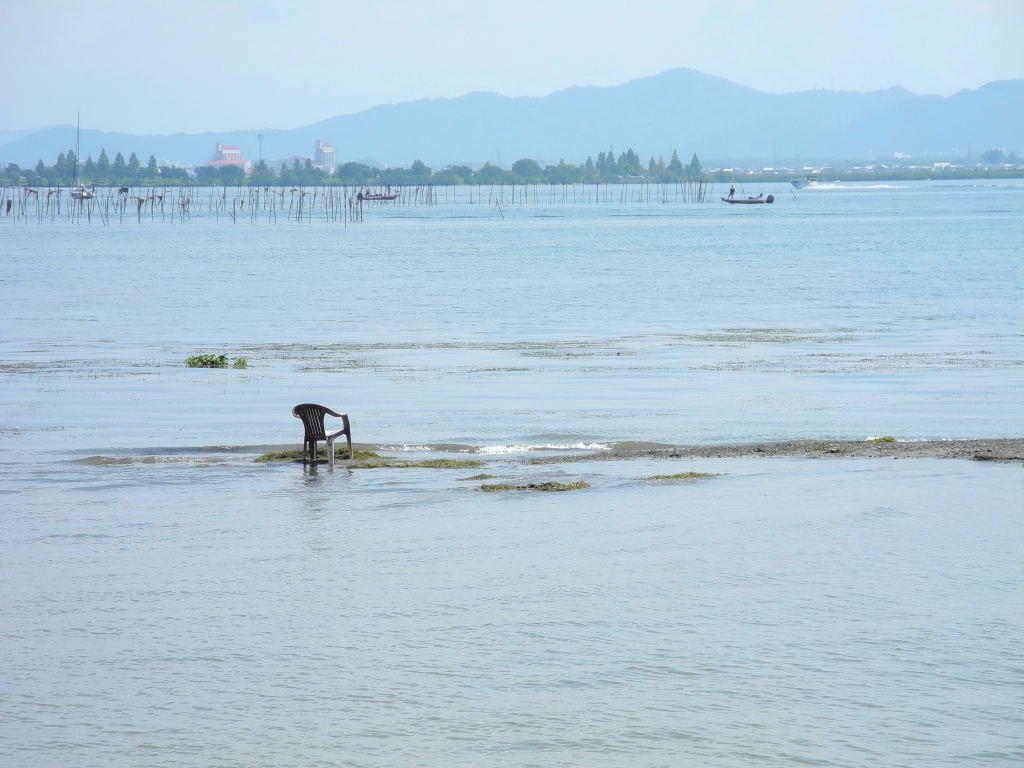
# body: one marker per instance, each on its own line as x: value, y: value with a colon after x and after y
x: 67, y: 170
x: 606, y: 169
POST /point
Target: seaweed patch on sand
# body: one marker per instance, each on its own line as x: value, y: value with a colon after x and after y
x: 121, y: 461
x: 548, y: 487
x: 999, y: 449
x: 680, y: 477
x: 370, y: 459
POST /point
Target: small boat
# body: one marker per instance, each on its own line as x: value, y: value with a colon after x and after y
x: 807, y: 181
x: 368, y: 195
x: 759, y: 200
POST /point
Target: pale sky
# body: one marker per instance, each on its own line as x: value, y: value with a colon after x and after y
x: 163, y: 66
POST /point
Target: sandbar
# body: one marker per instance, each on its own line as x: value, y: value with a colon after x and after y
x: 997, y: 449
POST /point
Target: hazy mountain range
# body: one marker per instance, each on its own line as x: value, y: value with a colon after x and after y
x: 681, y: 109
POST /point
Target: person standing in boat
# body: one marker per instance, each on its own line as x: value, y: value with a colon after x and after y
x: 732, y: 191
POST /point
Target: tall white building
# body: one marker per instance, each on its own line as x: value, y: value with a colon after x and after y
x: 323, y: 155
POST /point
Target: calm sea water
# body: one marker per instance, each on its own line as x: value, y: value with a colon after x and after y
x: 169, y: 602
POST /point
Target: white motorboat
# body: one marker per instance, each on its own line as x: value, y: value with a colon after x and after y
x: 807, y: 181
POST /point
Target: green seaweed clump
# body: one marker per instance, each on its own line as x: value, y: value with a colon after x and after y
x: 215, y: 361
x: 679, y: 476
x: 369, y: 459
x: 388, y: 461
x: 340, y: 452
x: 550, y: 487
x: 443, y: 463
x: 481, y: 476
x: 883, y: 439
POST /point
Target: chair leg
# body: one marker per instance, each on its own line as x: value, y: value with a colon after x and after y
x: 348, y: 438
x: 330, y: 452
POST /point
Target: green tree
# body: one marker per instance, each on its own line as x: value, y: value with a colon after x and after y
x: 694, y: 169
x: 71, y: 166
x: 151, y: 169
x: 61, y: 172
x: 172, y: 173
x: 397, y: 176
x: 629, y: 164
x: 262, y: 175
x: 675, y: 166
x: 997, y: 157
x: 462, y: 174
x: 133, y: 167
x: 355, y: 173
x: 490, y: 174
x: 207, y: 175
x: 589, y: 170
x: 526, y: 170
x: 119, y: 169
x: 89, y: 169
x: 563, y: 173
x: 231, y: 175
x: 32, y: 175
x: 454, y: 174
x: 420, y: 173
x: 103, y: 167
x: 307, y: 174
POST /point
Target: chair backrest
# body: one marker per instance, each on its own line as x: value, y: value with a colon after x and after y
x: 312, y: 416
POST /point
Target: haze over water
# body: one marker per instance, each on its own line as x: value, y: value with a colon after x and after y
x: 169, y: 602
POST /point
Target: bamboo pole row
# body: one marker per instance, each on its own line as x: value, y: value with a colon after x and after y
x: 336, y: 204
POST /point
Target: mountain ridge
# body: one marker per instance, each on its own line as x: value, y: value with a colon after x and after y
x: 679, y: 109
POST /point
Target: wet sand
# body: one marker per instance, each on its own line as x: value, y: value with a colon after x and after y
x: 1000, y: 449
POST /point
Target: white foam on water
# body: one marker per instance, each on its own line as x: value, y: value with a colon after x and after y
x: 579, y: 446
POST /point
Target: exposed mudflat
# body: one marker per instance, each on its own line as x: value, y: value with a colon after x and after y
x: 1001, y: 449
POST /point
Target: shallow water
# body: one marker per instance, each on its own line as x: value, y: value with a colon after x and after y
x: 843, y: 313
x: 169, y: 602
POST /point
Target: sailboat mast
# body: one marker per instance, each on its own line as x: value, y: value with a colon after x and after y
x: 78, y: 132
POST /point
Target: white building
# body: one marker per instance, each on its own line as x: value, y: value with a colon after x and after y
x: 226, y: 154
x: 323, y: 155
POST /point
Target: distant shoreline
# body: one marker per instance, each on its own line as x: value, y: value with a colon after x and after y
x: 828, y: 177
x: 998, y: 449
x: 711, y: 177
